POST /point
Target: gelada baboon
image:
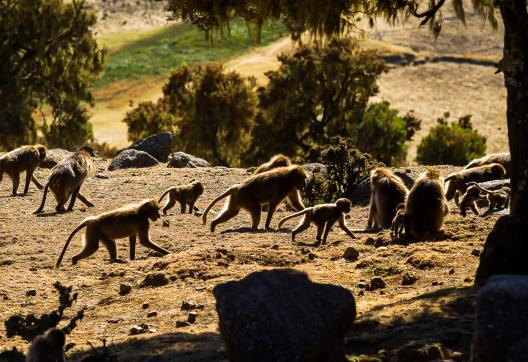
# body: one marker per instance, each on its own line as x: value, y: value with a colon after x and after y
x: 399, y: 223
x: 47, y: 347
x: 387, y: 191
x: 503, y: 158
x: 426, y: 206
x: 469, y: 200
x: 23, y: 159
x: 67, y: 178
x: 324, y: 216
x: 458, y: 181
x: 185, y: 195
x: 270, y: 187
x: 497, y: 199
x: 130, y: 221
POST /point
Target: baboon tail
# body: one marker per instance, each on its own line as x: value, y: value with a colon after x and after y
x: 85, y: 222
x: 283, y: 220
x: 225, y: 194
x: 165, y: 194
x: 480, y: 187
x: 39, y: 210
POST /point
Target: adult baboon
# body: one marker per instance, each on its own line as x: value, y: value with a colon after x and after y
x: 503, y: 158
x: 185, y: 195
x: 47, y: 347
x: 23, y: 159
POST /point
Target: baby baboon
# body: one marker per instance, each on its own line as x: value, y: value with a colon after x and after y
x: 426, y: 205
x: 458, y: 181
x: 130, y: 221
x: 469, y: 200
x: 497, y: 199
x: 503, y: 158
x: 23, y: 159
x: 270, y: 187
x: 387, y: 191
x: 276, y: 161
x: 185, y: 195
x: 67, y: 178
x: 399, y: 223
x: 47, y: 347
x: 324, y: 216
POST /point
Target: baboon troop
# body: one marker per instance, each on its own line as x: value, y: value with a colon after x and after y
x: 324, y: 216
x: 67, y: 178
x: 503, y: 158
x: 23, y: 159
x: 269, y: 187
x: 387, y: 192
x: 130, y: 221
x: 47, y: 347
x: 185, y: 195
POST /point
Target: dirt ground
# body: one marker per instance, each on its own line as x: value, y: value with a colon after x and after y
x: 436, y: 309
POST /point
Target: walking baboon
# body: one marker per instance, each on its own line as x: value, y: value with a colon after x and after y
x: 185, y: 195
x: 503, y: 158
x: 23, y: 159
x: 426, y: 205
x: 469, y: 200
x: 47, y: 347
x: 270, y: 187
x: 387, y: 191
x: 67, y: 178
x: 497, y: 199
x: 458, y: 181
x: 130, y: 221
x: 324, y: 216
x: 399, y: 223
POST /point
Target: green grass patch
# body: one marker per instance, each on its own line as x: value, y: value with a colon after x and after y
x: 156, y: 53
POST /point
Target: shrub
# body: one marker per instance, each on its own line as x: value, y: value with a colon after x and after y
x: 454, y: 143
x: 148, y: 118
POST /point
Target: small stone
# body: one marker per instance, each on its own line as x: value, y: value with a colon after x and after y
x: 125, y: 288
x: 154, y: 280
x: 190, y: 305
x: 370, y: 241
x: 31, y: 292
x: 451, y: 271
x: 152, y: 313
x: 351, y: 254
x: 166, y: 223
x: 409, y: 278
x: 180, y: 324
x: 311, y: 256
x: 191, y: 317
x: 376, y: 283
x: 362, y: 285
x: 102, y: 176
x: 275, y: 247
x: 361, y: 293
x: 145, y: 305
x: 434, y: 283
x: 138, y: 329
x: 114, y: 321
x: 468, y: 280
x: 475, y: 252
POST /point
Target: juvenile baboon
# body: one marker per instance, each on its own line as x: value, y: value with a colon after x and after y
x: 399, y: 223
x: 387, y: 191
x: 426, y: 205
x: 67, y: 178
x: 130, y: 221
x: 324, y: 216
x: 185, y: 195
x: 458, y: 181
x: 23, y: 159
x: 469, y: 200
x: 270, y: 187
x: 276, y: 161
x: 503, y: 158
x: 497, y: 199
x: 47, y: 347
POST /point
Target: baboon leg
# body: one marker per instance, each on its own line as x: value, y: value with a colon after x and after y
x: 84, y: 200
x: 168, y: 206
x: 73, y: 198
x: 457, y: 195
x: 224, y: 216
x: 303, y: 225
x: 132, y: 240
x: 328, y: 227
x: 111, y: 247
x: 294, y: 199
x: 255, y: 212
x: 91, y: 245
x: 272, y: 206
x: 183, y: 207
x: 372, y: 214
x: 144, y: 239
x: 320, y: 230
x: 37, y: 183
x: 29, y: 175
x: 191, y: 206
x: 474, y: 208
x: 16, y: 181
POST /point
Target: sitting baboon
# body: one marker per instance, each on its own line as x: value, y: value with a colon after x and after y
x: 130, y: 221
x: 185, y: 195
x: 387, y: 191
x: 399, y: 223
x: 426, y: 206
x: 503, y: 158
x: 67, y: 178
x: 497, y: 199
x: 458, y: 181
x: 324, y: 216
x: 469, y: 200
x: 23, y: 159
x: 47, y: 347
x: 270, y: 187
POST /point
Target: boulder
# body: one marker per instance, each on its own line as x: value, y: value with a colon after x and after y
x: 501, y: 328
x: 280, y: 315
x: 182, y: 160
x: 132, y: 159
x: 361, y: 194
x: 495, y: 184
x: 53, y: 157
x: 315, y: 168
x: 158, y: 146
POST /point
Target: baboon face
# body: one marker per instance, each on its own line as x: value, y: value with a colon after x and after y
x: 452, y: 188
x: 151, y: 209
x: 42, y: 151
x: 344, y: 205
x: 197, y: 185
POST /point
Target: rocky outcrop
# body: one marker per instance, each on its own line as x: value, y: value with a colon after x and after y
x: 182, y: 160
x: 158, y: 146
x: 132, y: 159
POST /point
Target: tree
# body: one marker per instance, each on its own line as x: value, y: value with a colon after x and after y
x: 148, y: 118
x: 48, y: 58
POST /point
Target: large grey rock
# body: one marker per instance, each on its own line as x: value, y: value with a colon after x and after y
x: 501, y: 328
x: 53, y: 157
x: 280, y: 315
x: 182, y: 159
x: 158, y: 146
x: 361, y: 194
x: 132, y: 159
x: 495, y: 184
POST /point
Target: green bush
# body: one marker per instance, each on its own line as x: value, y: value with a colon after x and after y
x: 454, y: 143
x: 146, y: 119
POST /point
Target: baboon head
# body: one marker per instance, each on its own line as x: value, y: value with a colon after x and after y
x: 197, y: 186
x: 344, y: 205
x: 150, y: 208
x: 379, y: 173
x: 299, y: 177
x: 89, y: 150
x: 498, y: 170
x: 280, y: 161
x: 454, y: 182
x: 42, y: 150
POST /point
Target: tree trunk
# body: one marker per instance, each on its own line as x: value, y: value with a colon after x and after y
x: 258, y: 32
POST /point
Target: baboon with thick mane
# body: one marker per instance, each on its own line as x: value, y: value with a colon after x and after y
x: 503, y: 158
x: 130, y: 221
x: 497, y: 199
x: 47, y: 347
x: 185, y: 195
x: 67, y: 178
x: 387, y: 191
x: 324, y: 216
x: 458, y: 181
x: 270, y: 187
x: 426, y: 206
x: 23, y: 159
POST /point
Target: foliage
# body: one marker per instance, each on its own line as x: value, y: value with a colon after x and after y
x: 454, y: 143
x: 146, y: 119
x: 48, y: 55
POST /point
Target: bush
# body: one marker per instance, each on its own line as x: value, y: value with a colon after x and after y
x: 454, y: 143
x: 147, y: 119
